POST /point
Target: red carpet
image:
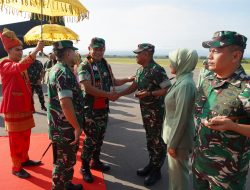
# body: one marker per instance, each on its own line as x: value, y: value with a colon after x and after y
x: 41, y: 176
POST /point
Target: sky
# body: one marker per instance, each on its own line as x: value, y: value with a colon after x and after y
x: 167, y: 24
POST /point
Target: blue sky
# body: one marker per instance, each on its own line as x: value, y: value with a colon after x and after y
x: 168, y: 24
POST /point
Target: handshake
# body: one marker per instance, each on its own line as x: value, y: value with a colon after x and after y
x: 113, y: 95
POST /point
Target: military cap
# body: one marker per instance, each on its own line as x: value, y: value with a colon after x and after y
x: 226, y: 38
x: 146, y: 47
x: 63, y: 44
x: 97, y: 43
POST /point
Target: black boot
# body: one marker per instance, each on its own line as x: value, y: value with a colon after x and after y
x: 97, y: 164
x: 22, y: 174
x: 153, y: 176
x: 86, y: 173
x: 72, y: 186
x: 100, y: 166
x: 145, y: 171
x: 32, y: 163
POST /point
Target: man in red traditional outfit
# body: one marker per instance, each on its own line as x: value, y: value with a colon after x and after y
x: 17, y: 105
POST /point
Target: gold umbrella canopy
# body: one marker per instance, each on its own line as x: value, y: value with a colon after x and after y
x: 50, y: 33
x: 72, y: 9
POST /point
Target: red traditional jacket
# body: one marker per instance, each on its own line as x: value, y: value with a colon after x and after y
x: 16, y: 90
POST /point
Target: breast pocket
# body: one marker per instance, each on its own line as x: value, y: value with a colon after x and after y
x: 228, y: 104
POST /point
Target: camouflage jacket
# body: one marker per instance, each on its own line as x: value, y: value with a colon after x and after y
x: 35, y: 71
x: 48, y: 64
x: 153, y: 77
x: 226, y: 97
x: 101, y: 76
x: 63, y: 83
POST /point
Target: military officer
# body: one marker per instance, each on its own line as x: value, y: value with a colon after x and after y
x: 48, y: 65
x: 152, y: 83
x: 98, y: 84
x: 221, y: 153
x: 65, y: 116
x: 36, y: 74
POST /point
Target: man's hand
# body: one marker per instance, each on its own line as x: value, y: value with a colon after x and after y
x: 141, y: 94
x: 172, y: 152
x: 220, y: 123
x: 131, y: 79
x: 113, y: 96
x: 77, y: 135
x: 39, y: 46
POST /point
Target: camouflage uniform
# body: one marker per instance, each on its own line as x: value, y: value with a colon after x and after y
x: 49, y: 64
x: 153, y: 77
x: 47, y: 67
x: 203, y: 74
x: 62, y: 83
x: 221, y: 158
x: 35, y: 72
x: 100, y: 75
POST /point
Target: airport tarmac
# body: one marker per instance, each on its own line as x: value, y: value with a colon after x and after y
x: 124, y: 145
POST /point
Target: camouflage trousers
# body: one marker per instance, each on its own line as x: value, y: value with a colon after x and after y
x: 94, y: 135
x: 216, y: 178
x: 39, y: 91
x: 152, y: 122
x: 64, y: 159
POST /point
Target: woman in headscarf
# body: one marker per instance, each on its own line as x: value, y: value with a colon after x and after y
x: 178, y: 126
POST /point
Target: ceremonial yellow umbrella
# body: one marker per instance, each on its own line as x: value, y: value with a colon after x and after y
x: 72, y: 9
x: 50, y: 33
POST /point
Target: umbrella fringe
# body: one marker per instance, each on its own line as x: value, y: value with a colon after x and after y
x: 51, y: 33
x: 15, y: 12
x: 30, y: 43
x: 46, y: 43
x: 79, y: 13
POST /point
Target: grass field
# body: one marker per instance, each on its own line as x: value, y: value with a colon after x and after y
x: 163, y: 62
